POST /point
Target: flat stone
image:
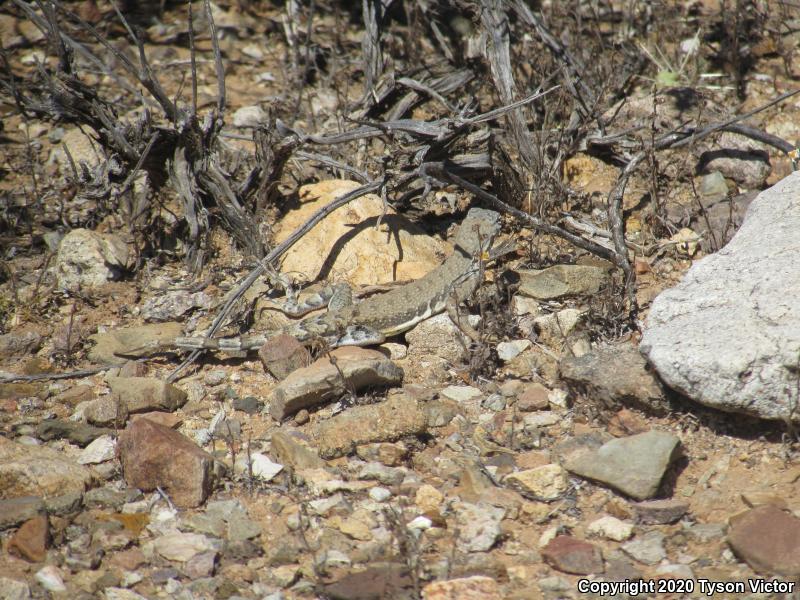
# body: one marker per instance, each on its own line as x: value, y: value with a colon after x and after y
x: 398, y: 417
x: 182, y: 547
x: 477, y: 587
x: 18, y: 510
x: 752, y: 282
x: 250, y: 116
x: 571, y: 555
x: 80, y: 434
x: 615, y: 375
x: 282, y: 355
x: 647, y: 549
x: 108, y: 344
x: 767, y: 539
x: 31, y: 540
x: 356, y: 369
x: 562, y: 280
x: 634, y: 465
x: 381, y: 580
x: 660, y: 512
x: 38, y: 471
x: 510, y: 350
x: 545, y: 483
x: 156, y: 456
x: 461, y: 393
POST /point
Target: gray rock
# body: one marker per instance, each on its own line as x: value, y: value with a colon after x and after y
x: 713, y: 185
x: 728, y: 334
x: 77, y: 433
x: 171, y: 305
x: 562, y: 280
x: 647, y: 549
x: 16, y: 511
x: 479, y: 526
x: 19, y: 343
x: 616, y: 375
x: 249, y: 116
x: 632, y: 465
x: 738, y: 158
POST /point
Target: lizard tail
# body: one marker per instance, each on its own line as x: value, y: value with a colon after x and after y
x: 237, y: 344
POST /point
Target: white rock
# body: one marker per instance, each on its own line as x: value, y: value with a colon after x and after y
x: 611, y: 528
x: 548, y: 536
x: 396, y: 351
x: 544, y: 418
x: 461, y: 393
x: 420, y: 523
x: 508, y: 350
x: 253, y: 51
x: 50, y: 578
x: 100, y: 450
x: 727, y: 335
x: 263, y: 467
x: 380, y: 494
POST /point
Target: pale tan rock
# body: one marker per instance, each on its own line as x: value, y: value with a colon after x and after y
x: 38, y: 471
x: 346, y: 245
x: 477, y: 587
x: 428, y: 499
x: 547, y: 482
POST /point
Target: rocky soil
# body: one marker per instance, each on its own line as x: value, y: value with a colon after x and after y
x: 546, y: 458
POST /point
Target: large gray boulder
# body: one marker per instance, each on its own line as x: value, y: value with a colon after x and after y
x: 728, y: 335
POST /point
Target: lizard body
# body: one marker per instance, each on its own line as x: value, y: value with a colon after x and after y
x: 378, y: 317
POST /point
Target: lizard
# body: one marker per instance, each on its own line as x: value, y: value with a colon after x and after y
x: 376, y: 318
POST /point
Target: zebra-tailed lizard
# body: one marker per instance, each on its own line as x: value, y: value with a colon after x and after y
x: 374, y: 319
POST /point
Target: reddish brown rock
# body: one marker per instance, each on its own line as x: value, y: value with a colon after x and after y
x: 166, y: 419
x: 571, y: 555
x: 533, y: 397
x: 768, y: 539
x: 283, y: 354
x: 153, y: 455
x: 31, y: 540
x: 660, y: 512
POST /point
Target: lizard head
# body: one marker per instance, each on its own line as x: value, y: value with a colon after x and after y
x: 477, y: 231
